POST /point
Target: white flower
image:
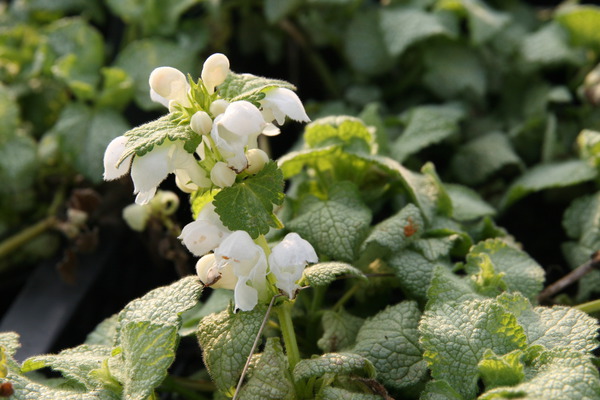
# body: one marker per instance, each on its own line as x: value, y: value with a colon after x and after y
x: 288, y: 260
x: 279, y: 102
x: 149, y: 170
x: 168, y: 84
x: 209, y: 273
x: 218, y: 107
x: 214, y: 71
x: 201, y: 123
x: 256, y: 160
x: 249, y: 265
x: 221, y: 175
x: 205, y: 233
x: 136, y: 216
x: 234, y: 129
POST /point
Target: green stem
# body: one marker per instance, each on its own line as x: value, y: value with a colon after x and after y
x: 344, y: 299
x: 284, y: 313
x: 589, y: 307
x: 14, y: 242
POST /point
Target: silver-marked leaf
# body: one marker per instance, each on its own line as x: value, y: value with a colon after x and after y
x: 335, y: 393
x: 334, y: 363
x: 249, y: 87
x: 390, y: 340
x: 10, y: 342
x: 323, y: 274
x: 339, y: 330
x: 105, y: 332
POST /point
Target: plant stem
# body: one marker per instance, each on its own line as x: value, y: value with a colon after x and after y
x: 589, y: 307
x: 284, y: 313
x: 572, y: 277
x: 344, y: 299
x: 13, y: 243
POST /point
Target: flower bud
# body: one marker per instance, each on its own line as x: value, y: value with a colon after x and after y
x: 211, y: 275
x: 214, y: 71
x: 164, y: 202
x: 168, y: 82
x: 77, y: 217
x: 221, y: 175
x: 136, y: 216
x: 201, y: 123
x: 256, y: 160
x: 218, y: 107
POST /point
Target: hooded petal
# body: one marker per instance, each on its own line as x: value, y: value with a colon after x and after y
x: 245, y: 297
x: 169, y: 83
x: 282, y: 102
x: 148, y: 171
x: 112, y: 155
x: 214, y: 71
x: 243, y: 119
x: 204, y: 234
x: 288, y: 260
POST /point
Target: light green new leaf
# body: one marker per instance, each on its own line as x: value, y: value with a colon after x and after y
x: 248, y: 205
x: 455, y: 337
x: 74, y: 364
x: 143, y: 138
x: 334, y: 363
x: 226, y: 339
x: 588, y: 144
x: 390, y: 340
x: 249, y: 87
x: 343, y: 130
x: 140, y: 57
x: 520, y: 272
x: 364, y: 46
x: 582, y: 24
x: 560, y: 374
x: 481, y: 157
x: 335, y: 226
x: 335, y: 393
x: 117, y: 88
x: 426, y: 125
x: 269, y: 378
x: 339, y: 330
x: 323, y: 274
x: 404, y: 27
x: 506, y: 370
x: 547, y: 176
x: 467, y: 205
x: 394, y: 233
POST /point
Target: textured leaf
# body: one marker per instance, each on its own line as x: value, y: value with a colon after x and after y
x: 339, y: 330
x: 105, y: 333
x: 390, y: 341
x: 334, y: 393
x: 334, y: 363
x: 403, y: 27
x: 478, y: 159
x: 364, y: 46
x: 549, y: 46
x: 426, y: 125
x: 10, y: 342
x: 74, y: 364
x: 395, y: 232
x: 439, y: 390
x: 547, y: 176
x: 26, y: 389
x: 415, y: 272
x: 561, y: 374
x: 521, y: 272
x: 323, y: 274
x: 269, y: 379
x: 248, y: 205
x: 581, y: 22
x: 455, y: 337
x: 343, y: 130
x: 143, y: 138
x: 218, y: 301
x: 335, y: 226
x: 467, y: 204
x: 249, y: 87
x: 506, y: 370
x: 140, y: 57
x: 226, y: 339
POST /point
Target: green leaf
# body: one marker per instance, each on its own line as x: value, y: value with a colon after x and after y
x: 455, y: 337
x: 335, y: 393
x: 426, y: 125
x: 481, y: 157
x: 269, y: 378
x: 155, y: 18
x: 549, y: 46
x: 547, y: 176
x: 334, y: 363
x: 390, y: 341
x: 26, y: 389
x: 453, y: 71
x: 404, y: 27
x: 249, y: 87
x: 506, y: 370
x: 18, y: 165
x: 439, y: 390
x: 520, y: 272
x: 415, y: 272
x: 588, y: 144
x: 467, y: 205
x: 581, y: 21
x: 560, y: 374
x: 117, y: 88
x: 10, y: 342
x: 74, y: 364
x: 484, y: 22
x: 275, y: 10
x: 364, y: 45
x: 339, y: 330
x: 9, y: 114
x: 105, y: 332
x: 140, y: 57
x: 394, y: 233
x: 323, y: 274
x: 448, y: 287
x: 248, y: 205
x: 343, y: 130
x: 335, y: 226
x: 218, y: 301
x: 226, y: 339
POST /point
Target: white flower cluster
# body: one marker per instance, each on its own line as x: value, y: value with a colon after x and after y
x: 239, y: 264
x: 229, y: 132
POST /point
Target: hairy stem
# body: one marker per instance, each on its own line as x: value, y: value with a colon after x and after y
x: 589, y: 307
x: 284, y: 313
x: 14, y: 242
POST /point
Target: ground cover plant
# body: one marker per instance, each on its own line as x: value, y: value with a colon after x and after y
x: 387, y: 254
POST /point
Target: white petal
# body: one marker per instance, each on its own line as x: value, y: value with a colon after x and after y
x: 243, y: 118
x: 112, y: 155
x: 218, y: 107
x: 222, y: 176
x: 169, y: 83
x: 271, y: 130
x: 284, y: 101
x: 148, y: 171
x: 136, y: 216
x: 256, y: 160
x: 202, y: 236
x: 245, y: 297
x: 238, y: 246
x: 293, y: 250
x: 144, y: 197
x: 214, y: 71
x: 157, y: 98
